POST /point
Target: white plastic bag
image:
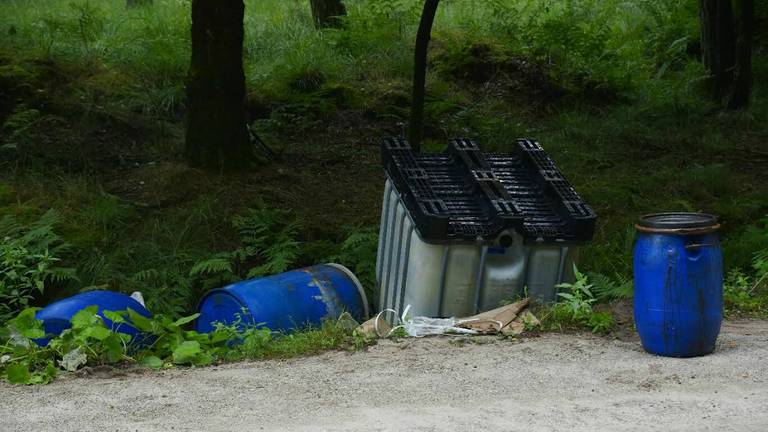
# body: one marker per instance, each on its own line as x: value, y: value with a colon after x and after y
x: 424, y: 326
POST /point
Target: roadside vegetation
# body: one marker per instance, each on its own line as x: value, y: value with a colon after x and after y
x: 94, y: 193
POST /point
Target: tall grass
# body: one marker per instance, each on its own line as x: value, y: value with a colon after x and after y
x: 613, y: 42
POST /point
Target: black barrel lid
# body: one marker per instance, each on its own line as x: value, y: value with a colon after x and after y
x: 676, y: 221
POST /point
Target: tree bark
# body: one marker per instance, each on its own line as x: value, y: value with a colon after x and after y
x: 416, y: 127
x: 327, y: 13
x: 718, y: 43
x: 742, y: 76
x: 217, y: 132
x: 137, y: 3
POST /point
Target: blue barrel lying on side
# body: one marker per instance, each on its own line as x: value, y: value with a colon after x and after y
x: 678, y: 268
x: 287, y: 301
x: 56, y: 316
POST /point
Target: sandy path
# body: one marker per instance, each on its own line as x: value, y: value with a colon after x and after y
x: 553, y: 382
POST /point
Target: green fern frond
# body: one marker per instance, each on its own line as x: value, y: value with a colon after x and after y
x: 606, y: 288
x: 62, y: 274
x: 9, y: 227
x: 221, y: 264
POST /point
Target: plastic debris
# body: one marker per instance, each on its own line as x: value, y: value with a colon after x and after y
x: 139, y: 297
x: 511, y: 319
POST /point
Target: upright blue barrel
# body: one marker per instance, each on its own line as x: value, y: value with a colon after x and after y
x: 678, y: 269
x: 56, y: 316
x: 287, y: 301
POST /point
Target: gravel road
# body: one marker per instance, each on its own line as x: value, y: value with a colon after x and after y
x: 550, y: 383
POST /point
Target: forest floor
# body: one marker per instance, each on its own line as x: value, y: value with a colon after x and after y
x: 574, y: 382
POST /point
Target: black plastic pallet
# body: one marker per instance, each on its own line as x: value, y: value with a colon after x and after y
x: 465, y: 195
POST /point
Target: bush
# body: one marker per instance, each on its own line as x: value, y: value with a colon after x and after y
x: 30, y: 260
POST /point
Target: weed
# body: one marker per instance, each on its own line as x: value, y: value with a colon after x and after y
x: 30, y: 260
x: 163, y: 342
x: 747, y: 295
x: 575, y: 308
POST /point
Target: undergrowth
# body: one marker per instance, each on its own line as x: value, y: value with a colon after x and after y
x: 268, y: 239
x: 575, y: 307
x: 161, y: 343
x: 746, y: 292
x: 30, y: 260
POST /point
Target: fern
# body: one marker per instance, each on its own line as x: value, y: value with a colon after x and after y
x: 358, y: 252
x: 606, y: 288
x: 269, y: 245
x: 220, y: 264
x: 760, y: 263
x: 279, y: 257
x: 168, y: 290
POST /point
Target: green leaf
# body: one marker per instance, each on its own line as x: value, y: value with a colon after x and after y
x: 18, y: 373
x: 203, y: 359
x: 97, y: 332
x: 73, y: 360
x: 181, y: 321
x: 115, y: 317
x: 85, y: 317
x: 152, y: 361
x: 27, y: 325
x: 186, y: 352
x: 46, y: 376
x: 113, y: 348
x: 140, y: 321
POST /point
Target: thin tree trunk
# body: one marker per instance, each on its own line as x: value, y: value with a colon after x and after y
x: 217, y: 133
x: 416, y: 127
x: 742, y: 77
x: 718, y: 43
x: 327, y: 13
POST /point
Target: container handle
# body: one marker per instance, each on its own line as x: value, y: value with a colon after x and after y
x: 700, y: 245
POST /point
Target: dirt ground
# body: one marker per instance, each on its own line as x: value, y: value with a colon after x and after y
x: 550, y: 383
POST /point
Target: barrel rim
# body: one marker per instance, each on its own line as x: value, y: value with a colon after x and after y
x: 678, y: 223
x: 357, y: 283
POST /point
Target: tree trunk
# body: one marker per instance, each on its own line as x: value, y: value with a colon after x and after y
x: 416, y: 127
x: 217, y: 132
x: 327, y: 13
x: 137, y: 3
x: 718, y: 43
x: 742, y: 76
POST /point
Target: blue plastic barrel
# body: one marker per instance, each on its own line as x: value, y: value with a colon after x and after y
x: 56, y: 316
x: 286, y: 301
x: 678, y: 269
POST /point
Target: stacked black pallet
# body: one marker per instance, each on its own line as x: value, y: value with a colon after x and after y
x: 465, y: 195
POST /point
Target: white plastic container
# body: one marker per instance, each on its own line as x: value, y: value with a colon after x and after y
x: 442, y: 280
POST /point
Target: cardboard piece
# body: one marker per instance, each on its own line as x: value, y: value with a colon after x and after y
x: 500, y: 320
